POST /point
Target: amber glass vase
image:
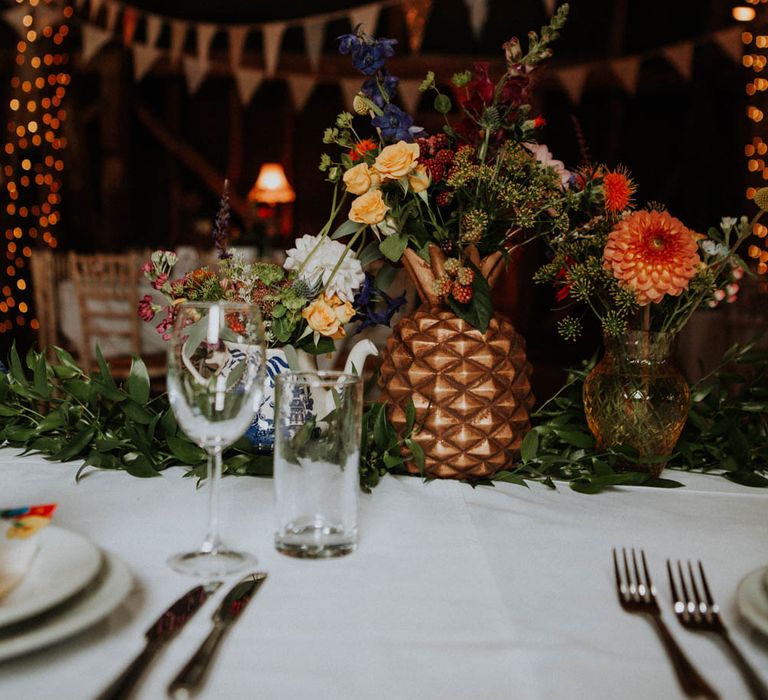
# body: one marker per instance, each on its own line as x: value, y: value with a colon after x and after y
x: 636, y: 397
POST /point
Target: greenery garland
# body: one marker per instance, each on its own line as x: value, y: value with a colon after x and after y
x: 53, y: 408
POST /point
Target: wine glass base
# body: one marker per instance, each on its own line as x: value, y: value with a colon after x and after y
x: 221, y: 562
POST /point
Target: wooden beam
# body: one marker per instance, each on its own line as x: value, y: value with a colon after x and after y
x: 196, y: 162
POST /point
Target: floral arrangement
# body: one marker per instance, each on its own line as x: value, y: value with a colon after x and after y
x: 450, y: 205
x: 307, y: 302
x: 639, y: 268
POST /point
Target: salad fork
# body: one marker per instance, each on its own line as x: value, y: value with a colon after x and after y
x: 637, y: 594
x: 700, y: 613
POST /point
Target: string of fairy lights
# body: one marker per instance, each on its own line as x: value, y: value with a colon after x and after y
x: 32, y: 155
x: 755, y: 59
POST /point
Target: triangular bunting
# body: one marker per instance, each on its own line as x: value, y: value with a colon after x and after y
x: 573, y: 80
x: 301, y: 87
x: 273, y: 36
x: 410, y: 95
x: 48, y: 16
x: 15, y: 17
x: 627, y: 70
x: 681, y: 57
x: 314, y: 30
x: 349, y: 88
x: 93, y: 39
x: 478, y: 13
x: 237, y: 35
x: 93, y: 10
x: 130, y: 21
x: 154, y: 27
x: 195, y: 70
x: 205, y: 34
x: 549, y: 6
x: 729, y: 40
x: 178, y: 37
x: 144, y: 57
x: 113, y: 10
x: 416, y: 16
x: 248, y: 81
x: 367, y: 15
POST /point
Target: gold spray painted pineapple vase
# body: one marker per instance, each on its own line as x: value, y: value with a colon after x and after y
x: 471, y: 390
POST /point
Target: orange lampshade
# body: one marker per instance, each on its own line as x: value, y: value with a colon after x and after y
x: 272, y: 186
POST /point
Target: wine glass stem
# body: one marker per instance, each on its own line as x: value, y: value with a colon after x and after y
x: 212, y: 542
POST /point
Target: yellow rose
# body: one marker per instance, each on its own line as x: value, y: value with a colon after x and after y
x: 321, y: 317
x: 397, y: 160
x: 358, y: 179
x: 419, y: 179
x: 343, y: 309
x: 368, y: 208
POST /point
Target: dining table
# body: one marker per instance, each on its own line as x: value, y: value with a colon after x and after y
x: 454, y: 591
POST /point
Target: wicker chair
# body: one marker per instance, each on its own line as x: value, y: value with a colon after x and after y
x: 48, y: 270
x: 107, y: 291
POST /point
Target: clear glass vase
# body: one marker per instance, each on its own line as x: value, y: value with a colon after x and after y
x: 636, y: 397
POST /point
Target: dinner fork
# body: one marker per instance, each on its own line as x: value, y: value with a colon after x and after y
x: 637, y: 594
x: 701, y: 613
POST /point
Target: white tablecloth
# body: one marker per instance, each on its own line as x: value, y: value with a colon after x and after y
x: 458, y: 593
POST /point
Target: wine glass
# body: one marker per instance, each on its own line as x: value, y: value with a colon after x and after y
x: 216, y: 368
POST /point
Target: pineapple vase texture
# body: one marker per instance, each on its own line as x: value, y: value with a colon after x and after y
x: 471, y: 389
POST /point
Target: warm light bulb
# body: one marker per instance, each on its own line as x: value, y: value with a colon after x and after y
x: 742, y: 13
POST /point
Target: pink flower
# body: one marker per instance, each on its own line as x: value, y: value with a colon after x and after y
x: 165, y: 324
x: 146, y: 268
x: 543, y: 155
x: 160, y: 280
x: 146, y: 309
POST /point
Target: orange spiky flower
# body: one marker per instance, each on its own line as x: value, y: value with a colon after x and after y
x: 652, y: 253
x: 618, y: 189
x: 361, y: 148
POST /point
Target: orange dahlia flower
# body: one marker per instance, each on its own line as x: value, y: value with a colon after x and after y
x: 653, y: 254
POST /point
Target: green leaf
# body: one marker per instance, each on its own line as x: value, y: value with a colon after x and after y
x: 479, y: 310
x: 417, y: 452
x: 107, y: 389
x: 576, y: 439
x: 136, y: 413
x: 393, y: 246
x: 348, y: 228
x: 185, y: 451
x: 748, y: 479
x: 77, y: 445
x: 40, y: 376
x: 370, y: 254
x: 443, y: 104
x: 54, y: 419
x: 78, y: 388
x: 529, y: 446
x: 106, y: 375
x: 410, y: 417
x: 137, y: 383
x: 141, y: 467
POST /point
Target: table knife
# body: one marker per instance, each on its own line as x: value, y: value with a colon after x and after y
x: 162, y: 631
x: 190, y: 679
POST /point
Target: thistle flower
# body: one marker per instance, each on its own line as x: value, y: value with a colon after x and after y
x: 618, y: 189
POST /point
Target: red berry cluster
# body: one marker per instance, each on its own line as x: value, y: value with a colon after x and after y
x: 456, y: 282
x: 436, y: 155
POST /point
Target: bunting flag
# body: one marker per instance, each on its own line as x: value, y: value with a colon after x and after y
x: 349, y: 88
x: 130, y: 21
x: 573, y: 80
x: 93, y: 39
x: 367, y: 15
x: 178, y: 37
x: 248, y: 82
x: 416, y: 15
x: 237, y: 36
x: 154, y: 27
x: 144, y: 57
x: 93, y: 10
x: 478, y: 14
x: 273, y: 37
x: 113, y: 10
x: 729, y: 40
x: 410, y: 95
x: 627, y: 70
x: 301, y: 87
x: 48, y: 15
x: 681, y: 57
x: 195, y: 71
x: 314, y: 31
x: 549, y: 7
x: 205, y: 34
x: 15, y: 17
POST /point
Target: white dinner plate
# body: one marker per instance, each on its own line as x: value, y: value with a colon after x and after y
x: 101, y: 598
x: 752, y: 599
x: 65, y: 564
